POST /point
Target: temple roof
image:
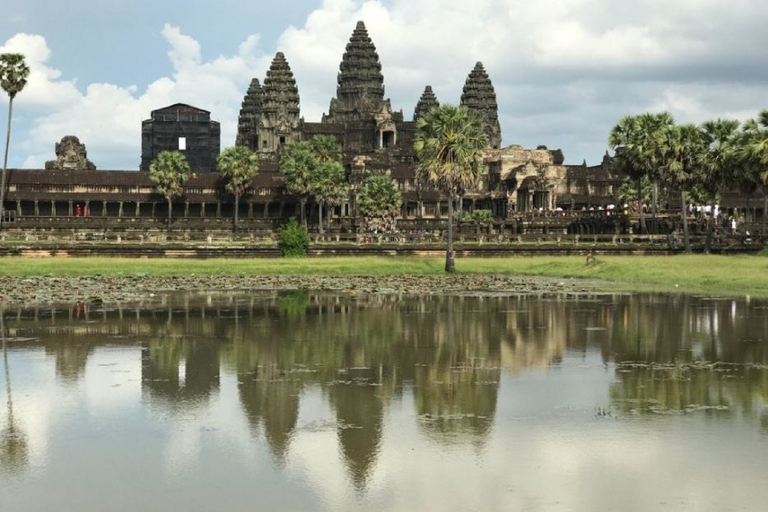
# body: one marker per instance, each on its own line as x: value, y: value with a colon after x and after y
x: 479, y: 97
x: 425, y: 103
x: 249, y: 113
x: 280, y: 92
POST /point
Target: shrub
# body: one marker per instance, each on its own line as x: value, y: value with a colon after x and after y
x: 482, y: 215
x: 293, y: 239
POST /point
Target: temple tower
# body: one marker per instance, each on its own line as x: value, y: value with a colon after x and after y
x: 279, y: 119
x: 480, y: 98
x: 360, y: 89
x: 427, y: 101
x: 250, y: 117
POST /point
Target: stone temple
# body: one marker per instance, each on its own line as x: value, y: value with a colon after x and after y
x: 516, y: 182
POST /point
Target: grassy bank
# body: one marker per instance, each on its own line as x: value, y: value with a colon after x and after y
x: 731, y: 275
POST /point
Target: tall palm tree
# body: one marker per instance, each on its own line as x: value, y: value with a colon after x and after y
x: 686, y: 150
x: 13, y: 77
x: 624, y: 140
x: 754, y: 153
x: 719, y: 165
x: 449, y: 143
x: 297, y: 165
x: 329, y: 186
x: 238, y: 165
x: 168, y: 172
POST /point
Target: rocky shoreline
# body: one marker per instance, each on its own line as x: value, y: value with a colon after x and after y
x: 42, y: 290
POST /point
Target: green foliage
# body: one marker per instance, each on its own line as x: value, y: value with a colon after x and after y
x: 379, y: 202
x: 293, y: 239
x: 13, y: 73
x: 238, y: 165
x: 482, y: 215
x: 168, y: 172
x: 297, y: 165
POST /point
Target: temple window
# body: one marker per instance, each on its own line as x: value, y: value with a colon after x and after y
x: 387, y: 139
x: 282, y: 140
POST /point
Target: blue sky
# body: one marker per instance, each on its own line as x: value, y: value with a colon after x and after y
x: 564, y: 70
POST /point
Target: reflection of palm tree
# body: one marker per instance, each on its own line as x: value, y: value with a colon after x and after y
x: 13, y: 443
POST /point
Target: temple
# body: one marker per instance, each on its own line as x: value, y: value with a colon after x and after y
x: 375, y: 139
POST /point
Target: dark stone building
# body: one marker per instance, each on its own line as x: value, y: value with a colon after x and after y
x: 184, y: 128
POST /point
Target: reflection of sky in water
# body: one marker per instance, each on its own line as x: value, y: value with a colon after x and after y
x: 526, y: 409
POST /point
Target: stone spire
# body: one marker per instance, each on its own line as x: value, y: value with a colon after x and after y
x: 426, y: 102
x: 279, y: 123
x: 360, y: 89
x: 250, y: 114
x: 280, y: 95
x: 480, y: 98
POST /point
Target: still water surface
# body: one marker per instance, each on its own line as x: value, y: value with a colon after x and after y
x: 299, y: 401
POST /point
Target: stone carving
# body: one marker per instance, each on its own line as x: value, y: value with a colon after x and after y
x: 250, y: 117
x: 426, y: 102
x: 70, y: 154
x: 479, y: 97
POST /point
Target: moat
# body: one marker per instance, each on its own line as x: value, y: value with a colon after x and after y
x: 297, y: 400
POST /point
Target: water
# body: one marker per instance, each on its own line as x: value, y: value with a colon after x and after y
x: 298, y: 401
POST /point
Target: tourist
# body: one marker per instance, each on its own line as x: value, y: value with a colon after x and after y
x: 78, y: 211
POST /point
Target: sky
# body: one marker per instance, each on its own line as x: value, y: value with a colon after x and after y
x: 564, y: 71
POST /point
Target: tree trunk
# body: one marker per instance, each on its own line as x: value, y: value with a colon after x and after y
x: 303, y: 211
x: 643, y: 229
x: 170, y: 211
x: 655, y: 199
x: 450, y: 265
x: 710, y: 228
x: 5, y: 162
x: 237, y: 207
x: 684, y: 214
x: 320, y: 213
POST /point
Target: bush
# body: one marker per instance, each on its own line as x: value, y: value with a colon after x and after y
x: 293, y: 239
x: 482, y: 215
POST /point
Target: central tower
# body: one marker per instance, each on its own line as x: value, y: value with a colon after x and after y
x: 360, y: 89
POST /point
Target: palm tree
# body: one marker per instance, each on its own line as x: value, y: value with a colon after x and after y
x: 238, y: 165
x: 719, y: 165
x: 326, y: 148
x: 329, y: 186
x: 13, y: 77
x: 449, y: 143
x: 686, y: 150
x: 755, y: 157
x: 623, y: 139
x: 297, y: 165
x: 379, y: 202
x: 168, y: 172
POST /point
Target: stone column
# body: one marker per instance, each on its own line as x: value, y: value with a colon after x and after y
x: 104, y: 208
x: 419, y: 209
x: 18, y: 208
x: 154, y: 209
x: 202, y: 210
x: 529, y: 206
x: 120, y: 210
x: 87, y: 209
x: 250, y: 210
x: 266, y: 209
x: 138, y: 208
x: 438, y: 210
x: 282, y: 206
x: 37, y: 209
x: 70, y: 209
x: 218, y: 209
x: 53, y: 209
x: 186, y: 209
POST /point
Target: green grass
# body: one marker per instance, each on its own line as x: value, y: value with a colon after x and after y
x: 728, y: 275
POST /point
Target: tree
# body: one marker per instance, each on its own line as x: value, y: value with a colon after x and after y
x: 326, y: 148
x: 168, y: 172
x: 719, y: 165
x: 449, y: 143
x: 640, y: 144
x: 329, y: 186
x: 297, y: 165
x: 379, y: 202
x: 686, y: 149
x: 13, y: 77
x: 238, y: 165
x: 754, y: 157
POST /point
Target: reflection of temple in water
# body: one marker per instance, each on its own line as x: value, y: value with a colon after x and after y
x: 450, y: 353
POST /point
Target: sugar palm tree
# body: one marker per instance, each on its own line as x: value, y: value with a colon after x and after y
x: 624, y: 139
x: 168, y: 172
x: 13, y: 77
x: 297, y: 165
x: 719, y: 165
x: 329, y: 186
x: 449, y: 143
x: 238, y: 165
x: 686, y: 151
x: 754, y: 156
